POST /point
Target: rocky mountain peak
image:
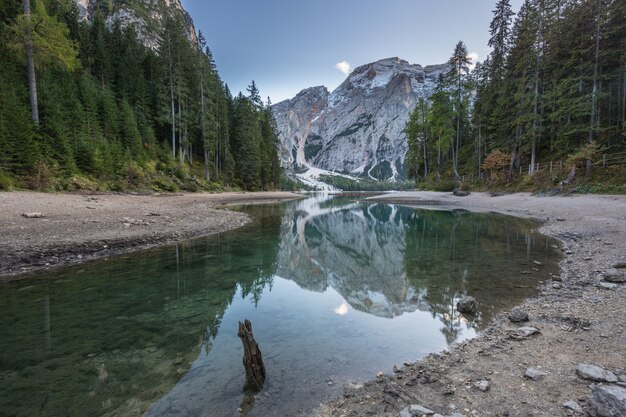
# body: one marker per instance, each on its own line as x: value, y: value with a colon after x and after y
x: 146, y: 15
x: 357, y: 129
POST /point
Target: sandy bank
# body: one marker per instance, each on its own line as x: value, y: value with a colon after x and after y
x: 75, y: 228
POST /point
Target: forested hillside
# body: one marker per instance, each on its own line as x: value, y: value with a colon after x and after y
x: 545, y: 108
x: 86, y: 105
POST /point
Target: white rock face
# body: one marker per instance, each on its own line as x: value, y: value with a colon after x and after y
x: 145, y: 15
x: 358, y: 128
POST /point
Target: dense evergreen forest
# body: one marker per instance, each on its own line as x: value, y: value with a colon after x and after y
x: 85, y: 105
x: 545, y: 108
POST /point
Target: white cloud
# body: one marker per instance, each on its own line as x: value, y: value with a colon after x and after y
x: 343, y: 66
x: 473, y: 56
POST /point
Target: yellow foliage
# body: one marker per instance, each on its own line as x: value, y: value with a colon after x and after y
x: 497, y: 163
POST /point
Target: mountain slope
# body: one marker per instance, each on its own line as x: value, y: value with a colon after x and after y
x: 146, y: 15
x: 358, y: 128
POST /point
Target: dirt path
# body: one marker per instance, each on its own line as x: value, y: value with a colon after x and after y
x: 75, y: 228
x: 579, y: 321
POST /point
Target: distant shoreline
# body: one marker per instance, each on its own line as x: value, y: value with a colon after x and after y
x: 75, y: 228
x: 579, y: 320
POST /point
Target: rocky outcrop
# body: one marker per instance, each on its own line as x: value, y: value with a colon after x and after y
x: 358, y: 128
x: 146, y: 16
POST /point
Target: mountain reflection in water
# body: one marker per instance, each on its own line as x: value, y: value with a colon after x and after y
x: 336, y: 291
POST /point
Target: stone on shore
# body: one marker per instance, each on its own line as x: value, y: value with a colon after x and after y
x: 483, y: 385
x: 534, y: 374
x: 616, y: 276
x: 32, y: 215
x: 595, y: 373
x: 573, y: 405
x: 415, y: 410
x: 607, y: 401
x: 467, y: 305
x: 518, y: 315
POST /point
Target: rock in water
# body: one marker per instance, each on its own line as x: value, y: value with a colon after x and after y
x: 467, y: 305
x: 595, y: 373
x: 460, y: 193
x: 103, y: 374
x: 607, y: 401
x: 518, y: 315
x: 615, y: 275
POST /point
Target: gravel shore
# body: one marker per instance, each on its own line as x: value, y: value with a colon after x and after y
x: 580, y: 318
x: 41, y: 230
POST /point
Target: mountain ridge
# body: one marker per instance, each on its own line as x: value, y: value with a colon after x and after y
x: 357, y: 129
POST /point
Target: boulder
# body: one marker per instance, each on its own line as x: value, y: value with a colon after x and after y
x: 460, y: 193
x: 467, y: 305
x: 595, y: 373
x: 614, y: 275
x: 518, y: 315
x: 607, y: 401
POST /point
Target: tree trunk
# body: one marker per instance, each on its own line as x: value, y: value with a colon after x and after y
x: 30, y: 65
x: 171, y: 77
x: 425, y: 160
x: 458, y: 127
x: 594, y: 91
x: 205, y: 144
x: 252, y: 359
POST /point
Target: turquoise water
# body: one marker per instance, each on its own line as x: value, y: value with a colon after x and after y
x: 336, y: 291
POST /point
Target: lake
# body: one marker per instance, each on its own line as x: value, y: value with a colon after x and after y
x: 336, y: 291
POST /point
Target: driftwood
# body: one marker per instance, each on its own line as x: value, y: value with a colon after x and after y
x: 252, y: 359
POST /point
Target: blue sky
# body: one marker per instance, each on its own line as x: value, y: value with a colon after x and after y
x: 289, y: 45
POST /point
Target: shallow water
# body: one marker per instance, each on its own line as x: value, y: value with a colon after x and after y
x: 336, y: 291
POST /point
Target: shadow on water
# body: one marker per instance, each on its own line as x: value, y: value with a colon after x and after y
x: 336, y: 291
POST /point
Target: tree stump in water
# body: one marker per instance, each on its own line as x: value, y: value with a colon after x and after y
x: 252, y: 359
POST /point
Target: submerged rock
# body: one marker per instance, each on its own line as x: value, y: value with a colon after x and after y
x: 607, y: 401
x: 467, y: 305
x: 595, y: 373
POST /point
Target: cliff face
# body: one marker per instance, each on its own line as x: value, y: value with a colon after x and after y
x: 358, y: 128
x: 146, y: 15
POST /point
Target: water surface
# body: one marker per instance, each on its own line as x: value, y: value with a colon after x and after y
x: 336, y: 291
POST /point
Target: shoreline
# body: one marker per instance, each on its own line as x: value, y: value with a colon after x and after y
x: 77, y: 228
x: 578, y: 320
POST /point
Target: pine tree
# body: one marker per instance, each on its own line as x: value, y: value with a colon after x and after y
x: 459, y: 69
